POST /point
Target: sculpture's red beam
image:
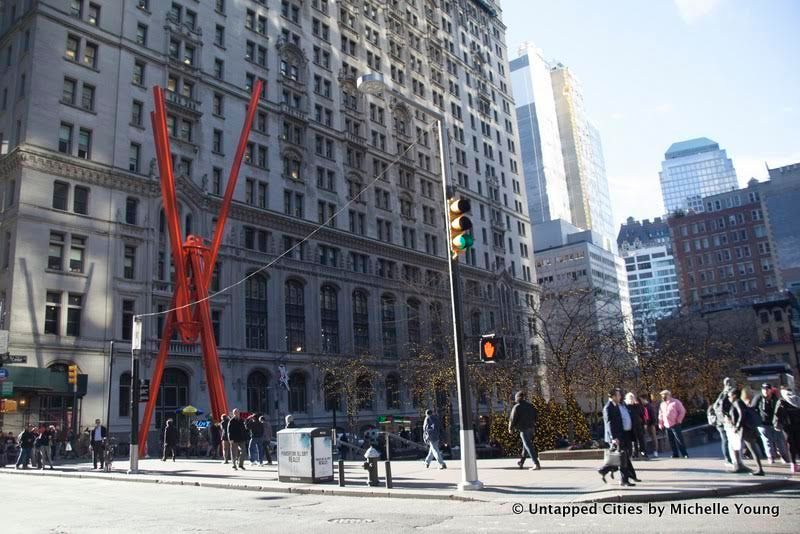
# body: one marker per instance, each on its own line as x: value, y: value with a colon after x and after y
x: 194, y: 268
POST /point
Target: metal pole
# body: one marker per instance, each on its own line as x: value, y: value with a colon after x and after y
x: 134, y: 448
x: 75, y: 409
x: 469, y: 462
x: 110, y: 385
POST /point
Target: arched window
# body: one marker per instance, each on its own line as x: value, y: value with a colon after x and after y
x: 124, y: 395
x: 389, y: 326
x: 437, y: 332
x: 364, y: 392
x: 360, y: 322
x: 412, y: 312
x: 297, y: 392
x: 475, y: 322
x: 255, y: 312
x: 295, y: 317
x: 329, y: 318
x: 332, y: 393
x: 392, y: 392
x: 172, y: 394
x: 258, y: 392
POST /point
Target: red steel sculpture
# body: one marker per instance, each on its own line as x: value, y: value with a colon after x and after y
x: 194, y: 267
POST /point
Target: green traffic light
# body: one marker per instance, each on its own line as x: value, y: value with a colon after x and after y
x: 462, y: 242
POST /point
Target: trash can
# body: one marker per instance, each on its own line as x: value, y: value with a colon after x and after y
x: 305, y: 455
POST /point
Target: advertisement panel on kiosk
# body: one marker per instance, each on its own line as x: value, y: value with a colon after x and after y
x: 305, y: 455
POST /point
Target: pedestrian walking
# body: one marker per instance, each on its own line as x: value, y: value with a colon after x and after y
x: 27, y: 440
x: 267, y: 438
x: 745, y: 422
x: 636, y: 411
x: 431, y: 434
x: 650, y: 420
x: 787, y: 418
x: 214, y: 439
x: 96, y: 437
x: 226, y: 442
x: 615, y: 435
x: 255, y: 429
x: 718, y: 414
x: 670, y: 417
x: 170, y: 440
x: 9, y: 448
x: 523, y: 421
x: 773, y: 441
x: 44, y: 451
x: 237, y: 434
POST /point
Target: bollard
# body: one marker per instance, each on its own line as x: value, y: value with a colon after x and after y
x: 388, y: 474
x: 341, y: 472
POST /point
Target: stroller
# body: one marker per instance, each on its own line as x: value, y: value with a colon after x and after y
x: 109, y: 444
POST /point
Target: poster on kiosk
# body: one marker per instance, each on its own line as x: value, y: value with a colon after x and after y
x: 305, y: 455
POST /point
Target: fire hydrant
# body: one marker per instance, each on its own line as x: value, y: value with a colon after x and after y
x: 371, y: 465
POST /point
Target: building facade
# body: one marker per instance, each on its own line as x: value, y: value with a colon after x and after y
x: 724, y: 254
x: 587, y: 183
x: 85, y: 246
x: 693, y: 170
x: 646, y: 248
x: 540, y: 141
x: 781, y: 198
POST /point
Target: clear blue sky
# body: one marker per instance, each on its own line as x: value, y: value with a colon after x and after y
x: 659, y: 71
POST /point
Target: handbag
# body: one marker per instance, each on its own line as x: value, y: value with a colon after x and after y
x: 611, y: 458
x: 68, y: 448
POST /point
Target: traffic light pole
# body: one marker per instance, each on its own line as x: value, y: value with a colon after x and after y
x: 134, y: 448
x: 469, y: 462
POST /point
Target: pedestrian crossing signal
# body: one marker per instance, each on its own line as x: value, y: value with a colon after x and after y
x: 461, y: 237
x: 493, y: 348
x: 72, y: 374
x: 144, y: 390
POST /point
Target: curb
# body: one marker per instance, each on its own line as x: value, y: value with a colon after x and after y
x: 724, y: 491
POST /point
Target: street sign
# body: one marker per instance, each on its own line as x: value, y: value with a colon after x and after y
x: 3, y: 373
x: 13, y: 358
x: 7, y: 388
x: 136, y: 338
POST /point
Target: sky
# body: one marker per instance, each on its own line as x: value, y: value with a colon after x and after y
x: 659, y: 71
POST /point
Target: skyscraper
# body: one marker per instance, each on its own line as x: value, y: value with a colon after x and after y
x: 692, y: 170
x: 539, y: 138
x: 587, y: 184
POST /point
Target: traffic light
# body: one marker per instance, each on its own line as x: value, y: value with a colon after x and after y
x: 492, y: 348
x: 460, y: 225
x: 72, y: 374
x: 144, y: 390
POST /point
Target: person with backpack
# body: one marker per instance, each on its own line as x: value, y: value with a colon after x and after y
x: 745, y: 423
x: 717, y: 414
x: 523, y: 420
x: 431, y: 434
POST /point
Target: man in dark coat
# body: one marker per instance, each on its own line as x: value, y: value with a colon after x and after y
x: 214, y: 439
x: 764, y: 404
x: 256, y: 446
x: 237, y: 434
x: 170, y: 440
x: 523, y: 420
x: 96, y: 437
x: 26, y: 440
x: 614, y: 431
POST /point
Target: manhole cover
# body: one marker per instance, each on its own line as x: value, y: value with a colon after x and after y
x: 350, y: 520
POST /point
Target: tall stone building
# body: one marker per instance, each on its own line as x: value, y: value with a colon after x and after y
x: 84, y: 244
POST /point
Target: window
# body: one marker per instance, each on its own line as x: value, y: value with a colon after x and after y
x: 364, y: 392
x: 297, y: 392
x: 65, y: 140
x: 295, y: 316
x: 412, y: 310
x: 216, y: 144
x: 136, y: 113
x: 85, y: 143
x: 331, y: 389
x: 219, y: 69
x: 55, y: 257
x: 68, y: 91
x: 52, y: 313
x: 128, y: 309
x: 258, y: 393
x: 60, y: 193
x: 133, y: 157
x: 74, y: 310
x: 77, y: 250
x: 129, y: 263
x: 329, y: 316
x: 76, y: 8
x: 255, y: 298
x: 389, y: 326
x: 360, y: 322
x: 73, y: 45
x: 80, y: 200
x: 87, y: 97
x: 93, y: 16
x: 90, y: 55
x: 124, y: 395
x: 138, y: 73
x: 141, y: 34
x: 392, y: 392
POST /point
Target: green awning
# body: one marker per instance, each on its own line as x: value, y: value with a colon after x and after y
x: 43, y: 380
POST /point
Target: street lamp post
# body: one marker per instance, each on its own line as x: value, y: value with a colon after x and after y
x: 373, y: 83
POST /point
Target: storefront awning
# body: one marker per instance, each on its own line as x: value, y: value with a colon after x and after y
x: 43, y: 380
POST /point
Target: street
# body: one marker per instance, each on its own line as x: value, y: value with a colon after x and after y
x: 48, y: 504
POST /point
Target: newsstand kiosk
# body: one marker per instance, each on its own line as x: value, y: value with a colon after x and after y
x: 305, y: 455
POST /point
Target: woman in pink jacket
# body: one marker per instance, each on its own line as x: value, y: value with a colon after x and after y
x: 670, y: 417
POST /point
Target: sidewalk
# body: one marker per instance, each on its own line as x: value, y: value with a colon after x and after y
x: 558, y: 481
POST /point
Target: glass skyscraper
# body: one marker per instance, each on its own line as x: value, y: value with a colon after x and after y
x: 692, y: 170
